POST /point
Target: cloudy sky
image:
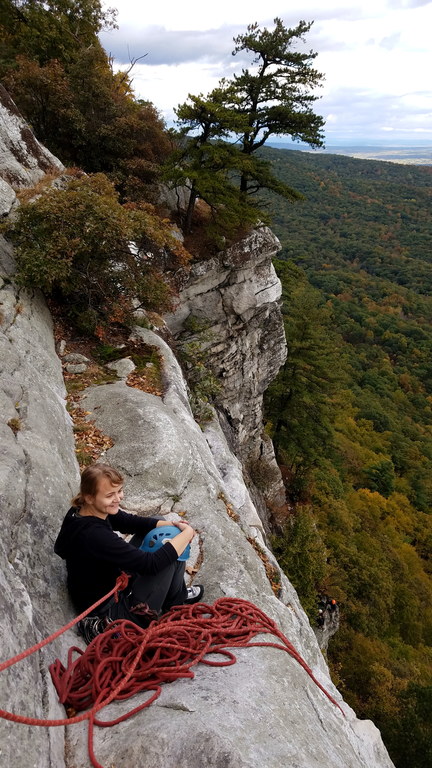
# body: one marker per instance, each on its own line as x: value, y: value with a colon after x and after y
x: 376, y: 56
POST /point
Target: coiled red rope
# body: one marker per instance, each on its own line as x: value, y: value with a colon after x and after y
x: 125, y: 659
x: 120, y: 584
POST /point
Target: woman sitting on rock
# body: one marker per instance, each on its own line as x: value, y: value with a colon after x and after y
x: 95, y: 556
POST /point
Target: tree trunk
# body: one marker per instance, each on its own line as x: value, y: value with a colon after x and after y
x: 243, y: 185
x: 190, y: 209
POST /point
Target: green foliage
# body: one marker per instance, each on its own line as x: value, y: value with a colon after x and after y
x: 300, y: 403
x: 207, y: 165
x: 362, y: 237
x: 62, y: 81
x: 411, y: 742
x: 381, y: 477
x: 364, y: 228
x: 143, y: 355
x: 106, y: 353
x: 301, y: 554
x: 194, y: 355
x: 77, y: 242
x: 45, y: 31
x: 274, y: 96
x: 226, y: 127
x: 149, y: 357
x: 263, y: 474
x: 86, y: 321
x: 194, y: 325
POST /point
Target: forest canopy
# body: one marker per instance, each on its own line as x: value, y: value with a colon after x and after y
x: 351, y: 418
x: 63, y: 82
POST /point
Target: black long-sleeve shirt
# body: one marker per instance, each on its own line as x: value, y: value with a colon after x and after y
x: 95, y: 555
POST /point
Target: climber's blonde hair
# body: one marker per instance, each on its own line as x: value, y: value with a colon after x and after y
x: 90, y: 481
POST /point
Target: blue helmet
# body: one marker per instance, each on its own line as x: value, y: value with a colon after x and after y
x: 156, y: 537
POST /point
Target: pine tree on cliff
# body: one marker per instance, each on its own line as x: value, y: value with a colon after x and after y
x: 274, y: 96
x: 204, y: 161
x: 271, y: 98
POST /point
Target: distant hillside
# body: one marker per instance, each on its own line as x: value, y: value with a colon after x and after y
x: 372, y: 215
x: 417, y: 154
x: 351, y: 419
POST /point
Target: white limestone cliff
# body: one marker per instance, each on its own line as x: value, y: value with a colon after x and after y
x: 23, y: 160
x: 236, y: 296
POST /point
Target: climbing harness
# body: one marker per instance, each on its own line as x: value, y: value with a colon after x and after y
x: 154, y: 539
x: 125, y: 659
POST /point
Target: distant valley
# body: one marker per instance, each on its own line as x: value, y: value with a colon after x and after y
x: 350, y: 416
x: 420, y: 154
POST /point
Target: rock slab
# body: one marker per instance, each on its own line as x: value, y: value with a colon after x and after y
x: 264, y: 710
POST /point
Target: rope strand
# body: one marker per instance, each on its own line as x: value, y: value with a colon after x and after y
x: 125, y: 659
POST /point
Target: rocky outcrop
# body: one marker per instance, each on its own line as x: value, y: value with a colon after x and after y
x: 234, y: 299
x: 327, y: 625
x: 235, y: 296
x: 23, y: 160
x: 264, y: 710
x: 38, y: 473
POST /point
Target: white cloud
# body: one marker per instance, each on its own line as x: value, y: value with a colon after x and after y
x: 166, y: 46
x: 409, y: 3
x: 375, y: 55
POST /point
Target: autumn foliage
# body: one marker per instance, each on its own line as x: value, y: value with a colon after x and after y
x: 351, y: 418
x: 63, y: 82
x: 103, y: 258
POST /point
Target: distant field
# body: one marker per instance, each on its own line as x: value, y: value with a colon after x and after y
x: 411, y: 156
x: 420, y: 155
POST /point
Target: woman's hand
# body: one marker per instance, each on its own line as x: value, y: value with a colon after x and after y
x: 185, y: 536
x: 186, y: 527
x: 179, y: 523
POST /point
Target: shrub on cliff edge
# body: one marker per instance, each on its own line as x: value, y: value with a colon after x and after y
x: 80, y: 244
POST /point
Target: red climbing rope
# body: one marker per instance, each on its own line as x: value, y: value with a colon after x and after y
x: 125, y: 659
x: 120, y: 584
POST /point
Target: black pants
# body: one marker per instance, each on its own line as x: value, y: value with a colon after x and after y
x: 159, y: 593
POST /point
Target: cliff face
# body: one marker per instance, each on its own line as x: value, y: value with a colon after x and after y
x: 23, y: 160
x: 236, y: 296
x: 264, y: 710
x: 37, y: 473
